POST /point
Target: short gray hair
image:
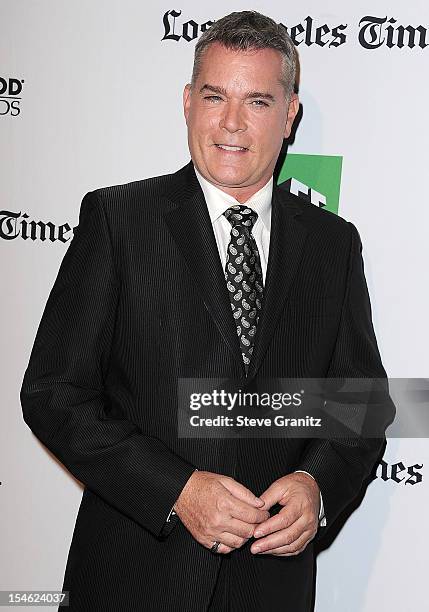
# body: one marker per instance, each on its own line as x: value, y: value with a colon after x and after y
x: 248, y: 30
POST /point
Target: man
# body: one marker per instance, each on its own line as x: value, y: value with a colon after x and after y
x: 144, y: 296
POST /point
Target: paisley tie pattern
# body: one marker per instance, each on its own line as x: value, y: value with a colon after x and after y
x: 243, y: 276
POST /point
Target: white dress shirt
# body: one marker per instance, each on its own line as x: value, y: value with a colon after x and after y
x: 217, y: 203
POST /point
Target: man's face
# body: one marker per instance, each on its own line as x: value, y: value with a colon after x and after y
x: 239, y: 102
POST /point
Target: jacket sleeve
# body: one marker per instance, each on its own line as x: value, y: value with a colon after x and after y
x: 64, y: 400
x: 341, y: 465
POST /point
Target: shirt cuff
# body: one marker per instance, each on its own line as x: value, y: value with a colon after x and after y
x: 322, y: 518
x: 170, y: 514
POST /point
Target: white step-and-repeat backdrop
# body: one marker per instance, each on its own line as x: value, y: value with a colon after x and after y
x: 90, y: 95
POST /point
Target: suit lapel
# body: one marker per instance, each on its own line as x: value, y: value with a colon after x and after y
x: 287, y: 239
x: 192, y: 230
x: 190, y: 225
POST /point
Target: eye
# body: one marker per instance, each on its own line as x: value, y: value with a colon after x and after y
x: 259, y: 103
x: 213, y: 98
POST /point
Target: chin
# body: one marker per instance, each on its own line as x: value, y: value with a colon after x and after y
x: 228, y: 179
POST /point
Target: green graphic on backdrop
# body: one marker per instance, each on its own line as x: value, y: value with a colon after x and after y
x: 321, y: 173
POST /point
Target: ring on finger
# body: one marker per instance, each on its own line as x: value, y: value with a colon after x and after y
x: 215, y: 547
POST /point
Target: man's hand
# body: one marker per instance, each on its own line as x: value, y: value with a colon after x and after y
x: 214, y: 508
x: 288, y: 532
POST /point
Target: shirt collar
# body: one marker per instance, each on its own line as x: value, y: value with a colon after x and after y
x: 218, y: 201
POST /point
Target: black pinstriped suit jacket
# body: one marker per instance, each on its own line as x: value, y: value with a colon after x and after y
x: 132, y: 309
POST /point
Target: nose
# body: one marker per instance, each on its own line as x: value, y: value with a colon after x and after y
x: 232, y: 118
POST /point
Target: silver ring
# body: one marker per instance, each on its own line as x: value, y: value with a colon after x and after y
x: 215, y: 547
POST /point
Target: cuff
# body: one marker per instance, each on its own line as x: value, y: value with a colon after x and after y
x: 170, y: 521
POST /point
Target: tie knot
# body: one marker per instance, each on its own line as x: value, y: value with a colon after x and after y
x: 241, y: 215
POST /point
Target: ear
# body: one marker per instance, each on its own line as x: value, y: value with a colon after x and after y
x: 186, y: 101
x: 291, y: 114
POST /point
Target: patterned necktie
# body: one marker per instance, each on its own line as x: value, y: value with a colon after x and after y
x: 243, y: 276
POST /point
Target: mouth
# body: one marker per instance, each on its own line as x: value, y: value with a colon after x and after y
x: 231, y: 148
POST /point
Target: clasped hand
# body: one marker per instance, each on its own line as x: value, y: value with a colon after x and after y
x: 214, y: 508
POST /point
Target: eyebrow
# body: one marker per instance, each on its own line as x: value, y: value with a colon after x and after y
x: 250, y: 94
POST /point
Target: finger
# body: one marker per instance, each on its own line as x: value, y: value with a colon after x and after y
x: 272, y: 495
x: 241, y: 492
x: 292, y: 549
x: 230, y: 540
x: 240, y: 528
x: 282, y: 520
x: 246, y: 513
x: 284, y: 537
x: 223, y: 549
